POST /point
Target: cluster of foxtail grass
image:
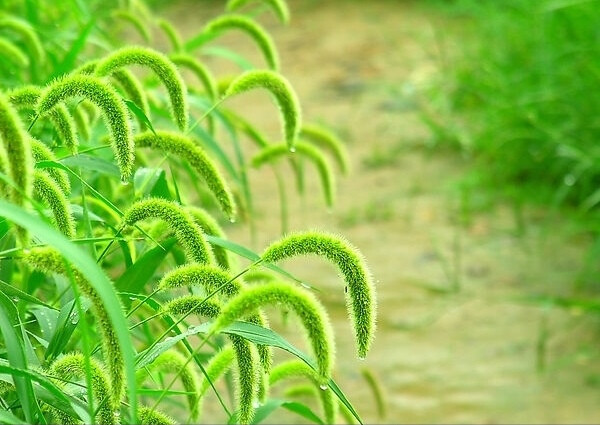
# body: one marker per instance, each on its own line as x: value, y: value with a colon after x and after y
x: 122, y: 294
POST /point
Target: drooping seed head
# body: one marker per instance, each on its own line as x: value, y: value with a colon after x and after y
x: 13, y: 53
x: 70, y: 366
x: 279, y: 7
x: 361, y: 298
x: 180, y: 221
x: 17, y: 146
x: 298, y: 369
x: 108, y: 101
x: 312, y: 315
x: 185, y: 148
x: 49, y: 260
x: 50, y: 192
x: 161, y: 66
x: 172, y: 35
x: 27, y: 34
x: 135, y: 21
x: 184, y: 60
x: 210, y: 227
x: 282, y: 91
x: 249, y: 26
x: 273, y: 152
x: 326, y: 139
x: 41, y: 152
x: 211, y: 278
x: 173, y: 362
x: 148, y: 416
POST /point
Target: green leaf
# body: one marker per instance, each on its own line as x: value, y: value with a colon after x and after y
x: 136, y: 276
x: 97, y: 279
x: 14, y: 292
x: 151, y: 182
x: 9, y: 322
x: 92, y: 163
x: 139, y: 113
x: 271, y: 405
x: 66, y: 323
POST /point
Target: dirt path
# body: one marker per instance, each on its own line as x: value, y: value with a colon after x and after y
x: 468, y: 356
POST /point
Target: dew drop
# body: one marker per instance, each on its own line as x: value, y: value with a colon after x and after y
x: 232, y: 219
x: 74, y: 320
x: 361, y: 357
x: 256, y: 404
x: 323, y: 387
x: 569, y: 180
x: 124, y: 181
x: 292, y: 149
x: 305, y: 285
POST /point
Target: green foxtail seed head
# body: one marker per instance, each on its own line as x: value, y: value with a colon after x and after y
x: 325, y: 139
x: 70, y: 366
x: 82, y: 121
x: 284, y: 95
x: 49, y: 260
x: 211, y: 279
x: 134, y: 90
x: 28, y: 96
x: 298, y: 369
x: 109, y: 102
x: 10, y: 52
x: 279, y: 7
x: 50, y: 192
x: 210, y: 227
x: 376, y: 389
x: 184, y: 60
x: 135, y: 21
x: 264, y: 41
x: 276, y: 151
x: 161, y: 66
x: 148, y: 416
x: 185, y: 148
x: 4, y: 170
x: 361, y: 298
x: 27, y: 34
x: 172, y: 35
x: 309, y: 310
x: 180, y: 221
x: 174, y: 362
x: 41, y: 152
x: 17, y: 146
x: 248, y: 379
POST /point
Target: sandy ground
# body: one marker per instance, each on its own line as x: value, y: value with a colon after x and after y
x: 474, y: 354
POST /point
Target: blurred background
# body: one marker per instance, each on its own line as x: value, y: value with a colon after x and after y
x: 473, y: 130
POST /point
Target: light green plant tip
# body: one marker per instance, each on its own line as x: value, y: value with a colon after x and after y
x: 47, y: 189
x: 282, y: 91
x: 188, y: 234
x: 17, y: 146
x: 27, y: 34
x: 326, y: 139
x: 64, y: 124
x: 49, y: 260
x: 41, y: 152
x: 173, y: 362
x: 273, y: 152
x: 184, y: 60
x: 361, y: 298
x: 312, y: 315
x: 11, y: 52
x: 172, y: 35
x: 253, y: 29
x: 135, y: 21
x: 164, y: 69
x: 211, y: 227
x: 108, y: 101
x: 185, y: 148
x: 298, y: 369
x: 73, y: 365
x: 279, y: 7
x: 148, y: 416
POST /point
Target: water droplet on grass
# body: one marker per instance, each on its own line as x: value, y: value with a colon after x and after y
x: 361, y: 357
x: 292, y: 149
x: 124, y: 181
x: 324, y: 387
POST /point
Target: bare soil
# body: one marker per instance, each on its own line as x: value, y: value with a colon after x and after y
x: 456, y: 343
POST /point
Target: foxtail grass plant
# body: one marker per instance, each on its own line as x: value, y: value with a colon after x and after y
x: 147, y: 199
